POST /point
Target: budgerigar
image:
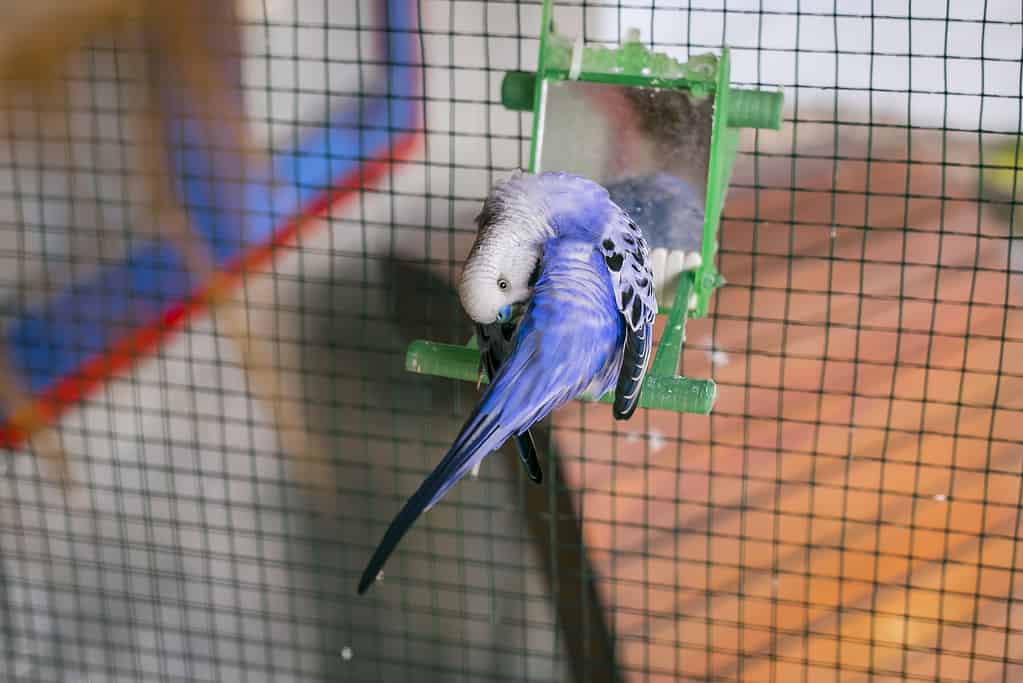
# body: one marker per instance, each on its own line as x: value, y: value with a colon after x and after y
x: 557, y: 244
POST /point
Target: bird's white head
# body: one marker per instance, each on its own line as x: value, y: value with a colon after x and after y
x: 497, y: 276
x: 499, y: 270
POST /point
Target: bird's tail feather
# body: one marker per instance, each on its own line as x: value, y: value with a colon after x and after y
x: 507, y: 404
x: 481, y: 435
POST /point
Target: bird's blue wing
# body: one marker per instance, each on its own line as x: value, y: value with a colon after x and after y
x: 520, y: 395
x: 495, y: 342
x: 568, y: 338
x: 627, y: 258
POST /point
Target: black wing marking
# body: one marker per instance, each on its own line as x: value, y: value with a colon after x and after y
x: 495, y: 342
x: 626, y: 255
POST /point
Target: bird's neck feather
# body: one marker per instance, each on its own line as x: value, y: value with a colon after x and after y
x: 572, y: 268
x: 570, y: 207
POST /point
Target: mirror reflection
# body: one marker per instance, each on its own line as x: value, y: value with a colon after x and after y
x: 650, y: 147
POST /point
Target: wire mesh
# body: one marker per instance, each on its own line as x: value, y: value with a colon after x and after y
x: 849, y: 511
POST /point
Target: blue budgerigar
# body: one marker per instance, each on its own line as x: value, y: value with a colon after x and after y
x: 558, y: 245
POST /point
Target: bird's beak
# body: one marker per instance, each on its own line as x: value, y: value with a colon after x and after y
x: 505, y: 314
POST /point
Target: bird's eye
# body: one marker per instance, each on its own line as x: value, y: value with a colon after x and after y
x: 502, y: 283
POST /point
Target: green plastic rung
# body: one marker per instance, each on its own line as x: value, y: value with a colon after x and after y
x: 517, y: 90
x: 670, y: 349
x: 755, y: 109
x: 679, y: 394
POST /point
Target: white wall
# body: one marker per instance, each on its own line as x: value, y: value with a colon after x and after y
x: 950, y: 55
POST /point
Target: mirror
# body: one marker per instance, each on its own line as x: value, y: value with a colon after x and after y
x: 650, y: 147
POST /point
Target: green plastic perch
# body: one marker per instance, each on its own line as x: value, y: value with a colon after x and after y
x: 661, y: 393
x: 662, y: 389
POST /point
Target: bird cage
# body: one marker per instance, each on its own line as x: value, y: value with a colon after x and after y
x: 231, y: 237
